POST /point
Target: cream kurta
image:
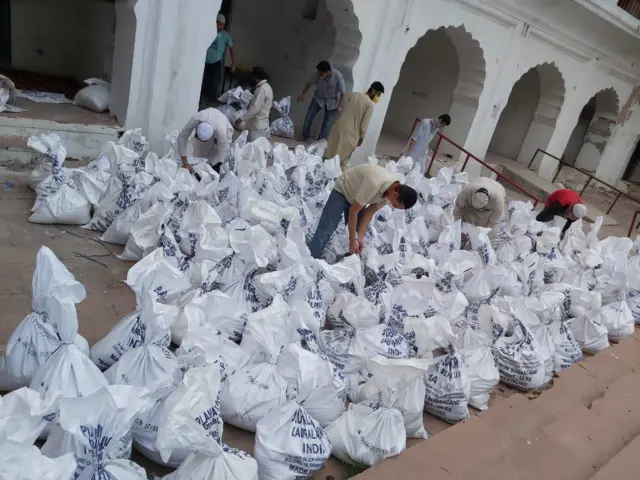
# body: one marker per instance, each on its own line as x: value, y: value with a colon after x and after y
x: 350, y: 128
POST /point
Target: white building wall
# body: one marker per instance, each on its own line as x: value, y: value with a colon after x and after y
x: 69, y: 38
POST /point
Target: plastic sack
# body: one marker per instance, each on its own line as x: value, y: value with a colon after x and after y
x: 482, y: 373
x: 519, y: 358
x: 319, y: 386
x: 290, y: 443
x: 163, y: 433
x: 36, y: 338
x: 567, y: 348
x: 368, y: 432
x: 618, y: 320
x: 20, y: 461
x: 406, y: 378
x: 447, y: 388
x: 95, y: 97
x: 590, y: 334
x: 25, y: 413
x: 93, y: 426
x: 53, y: 153
x: 283, y: 126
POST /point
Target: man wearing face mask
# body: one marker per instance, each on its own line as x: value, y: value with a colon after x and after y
x: 214, y: 63
x: 351, y: 128
x: 212, y: 140
x: 256, y: 119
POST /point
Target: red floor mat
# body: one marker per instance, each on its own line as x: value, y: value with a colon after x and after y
x: 42, y: 83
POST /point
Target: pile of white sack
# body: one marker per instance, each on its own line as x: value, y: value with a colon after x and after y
x: 316, y: 357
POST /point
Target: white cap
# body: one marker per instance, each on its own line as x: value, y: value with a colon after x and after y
x: 204, y: 131
x: 579, y: 210
x: 221, y: 19
x: 479, y: 199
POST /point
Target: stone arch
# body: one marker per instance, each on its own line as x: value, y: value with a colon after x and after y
x: 289, y: 37
x: 444, y: 72
x: 528, y: 119
x: 593, y: 128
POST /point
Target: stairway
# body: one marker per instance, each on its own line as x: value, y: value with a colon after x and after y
x: 587, y: 426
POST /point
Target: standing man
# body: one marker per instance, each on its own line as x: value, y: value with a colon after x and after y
x: 358, y: 194
x: 214, y: 64
x: 418, y: 146
x: 350, y: 129
x: 563, y: 203
x: 328, y: 96
x: 256, y: 119
x: 213, y: 137
x: 480, y: 203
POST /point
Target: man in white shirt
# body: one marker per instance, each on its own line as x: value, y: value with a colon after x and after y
x: 358, y: 194
x: 418, y: 146
x: 256, y: 119
x: 213, y: 137
x: 481, y: 203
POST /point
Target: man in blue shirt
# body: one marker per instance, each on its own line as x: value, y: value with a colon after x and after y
x: 329, y: 96
x: 214, y: 65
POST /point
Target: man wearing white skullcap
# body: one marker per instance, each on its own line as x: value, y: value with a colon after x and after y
x: 480, y: 203
x: 214, y: 63
x: 212, y: 139
x: 563, y: 203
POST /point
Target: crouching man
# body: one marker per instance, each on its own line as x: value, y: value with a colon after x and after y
x: 481, y: 203
x: 358, y: 194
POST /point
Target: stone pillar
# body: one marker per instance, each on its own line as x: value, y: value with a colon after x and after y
x: 595, y: 142
x: 158, y: 63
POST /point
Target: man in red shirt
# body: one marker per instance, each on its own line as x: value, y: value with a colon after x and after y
x: 563, y: 203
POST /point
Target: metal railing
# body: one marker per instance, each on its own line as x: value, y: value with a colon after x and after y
x: 632, y: 7
x: 561, y: 164
x: 470, y: 155
x: 633, y: 221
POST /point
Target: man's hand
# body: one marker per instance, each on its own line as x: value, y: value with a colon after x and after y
x: 185, y: 164
x: 339, y: 108
x: 361, y: 245
x: 237, y: 123
x: 300, y: 98
x: 354, y: 246
x: 233, y: 68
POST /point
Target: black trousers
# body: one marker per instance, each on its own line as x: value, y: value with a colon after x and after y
x: 211, y: 80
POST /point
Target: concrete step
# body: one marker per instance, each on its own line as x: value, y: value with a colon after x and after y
x: 624, y: 466
x: 82, y: 132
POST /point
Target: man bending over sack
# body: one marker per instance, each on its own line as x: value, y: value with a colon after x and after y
x: 213, y: 137
x: 563, y: 203
x: 358, y: 194
x: 480, y: 203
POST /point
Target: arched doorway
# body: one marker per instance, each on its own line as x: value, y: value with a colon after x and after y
x: 529, y: 118
x: 289, y: 37
x: 443, y: 73
x: 592, y: 131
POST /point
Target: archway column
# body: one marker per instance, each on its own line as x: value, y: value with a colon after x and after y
x: 158, y: 63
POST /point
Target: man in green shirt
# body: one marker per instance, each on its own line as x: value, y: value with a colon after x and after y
x: 214, y: 65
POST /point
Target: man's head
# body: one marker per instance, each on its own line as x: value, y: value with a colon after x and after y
x: 480, y: 199
x: 401, y: 196
x: 324, y: 68
x: 576, y: 212
x: 259, y: 74
x: 220, y: 22
x: 375, y: 91
x: 204, y: 131
x: 444, y: 120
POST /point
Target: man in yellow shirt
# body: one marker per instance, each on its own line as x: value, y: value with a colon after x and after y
x: 351, y: 128
x: 358, y: 194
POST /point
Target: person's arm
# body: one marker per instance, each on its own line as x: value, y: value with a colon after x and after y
x: 496, y: 214
x: 354, y: 244
x: 232, y: 53
x: 254, y: 107
x: 364, y: 124
x: 313, y: 80
x: 183, y: 141
x: 343, y: 90
x: 417, y: 132
x: 365, y: 220
x: 556, y: 209
x: 460, y: 205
